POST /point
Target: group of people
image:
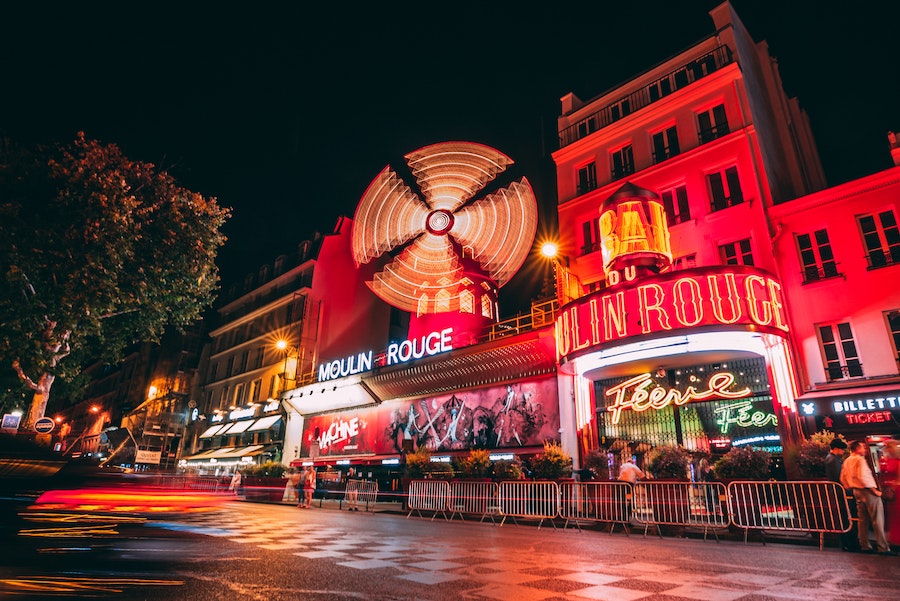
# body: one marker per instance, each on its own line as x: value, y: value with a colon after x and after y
x: 300, y: 487
x: 855, y: 475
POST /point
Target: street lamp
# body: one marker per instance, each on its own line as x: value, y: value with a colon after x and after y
x: 290, y: 359
x: 568, y: 286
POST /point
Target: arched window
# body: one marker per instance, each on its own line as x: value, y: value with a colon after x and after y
x: 466, y: 302
x: 442, y: 301
x: 487, y: 306
x: 422, y: 308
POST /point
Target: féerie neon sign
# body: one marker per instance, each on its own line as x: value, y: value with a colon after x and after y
x: 639, y: 394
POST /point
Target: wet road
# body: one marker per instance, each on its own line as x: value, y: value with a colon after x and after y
x: 270, y: 552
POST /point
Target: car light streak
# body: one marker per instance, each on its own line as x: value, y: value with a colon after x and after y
x: 76, y: 586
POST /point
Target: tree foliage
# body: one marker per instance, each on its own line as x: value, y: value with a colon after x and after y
x: 97, y: 252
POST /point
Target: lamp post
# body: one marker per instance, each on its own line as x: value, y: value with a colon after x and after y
x: 289, y: 372
x: 568, y: 286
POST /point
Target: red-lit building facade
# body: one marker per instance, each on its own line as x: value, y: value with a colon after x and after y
x: 714, y: 293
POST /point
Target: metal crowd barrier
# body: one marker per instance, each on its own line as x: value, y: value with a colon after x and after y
x: 366, y: 492
x: 818, y: 506
x: 474, y: 498
x: 685, y: 504
x: 596, y: 502
x: 529, y: 500
x: 429, y: 495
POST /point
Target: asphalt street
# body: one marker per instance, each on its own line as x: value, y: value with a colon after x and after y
x: 254, y: 551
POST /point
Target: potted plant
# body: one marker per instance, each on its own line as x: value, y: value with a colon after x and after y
x: 595, y: 465
x: 667, y: 463
x: 812, y: 452
x: 418, y: 463
x: 552, y: 464
x: 507, y: 470
x: 743, y: 463
x: 477, y: 464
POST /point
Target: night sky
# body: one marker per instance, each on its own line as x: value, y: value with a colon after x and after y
x: 287, y: 113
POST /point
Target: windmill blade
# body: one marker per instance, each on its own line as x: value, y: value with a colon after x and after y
x: 426, y: 266
x: 451, y: 173
x: 493, y: 229
x: 388, y: 215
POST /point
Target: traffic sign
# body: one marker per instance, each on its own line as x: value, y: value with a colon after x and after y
x: 44, y: 425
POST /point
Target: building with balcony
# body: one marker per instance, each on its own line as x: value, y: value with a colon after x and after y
x: 694, y: 216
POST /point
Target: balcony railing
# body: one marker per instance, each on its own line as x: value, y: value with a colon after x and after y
x: 883, y: 258
x: 853, y: 369
x: 814, y: 273
x: 677, y: 79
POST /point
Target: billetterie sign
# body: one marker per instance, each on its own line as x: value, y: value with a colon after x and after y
x: 398, y: 352
x: 737, y: 296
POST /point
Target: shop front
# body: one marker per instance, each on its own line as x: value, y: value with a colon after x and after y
x: 502, y: 396
x: 697, y: 358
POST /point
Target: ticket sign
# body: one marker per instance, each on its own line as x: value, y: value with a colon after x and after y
x: 44, y: 425
x: 10, y: 423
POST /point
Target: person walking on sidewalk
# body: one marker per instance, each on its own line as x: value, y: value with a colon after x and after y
x: 856, y: 475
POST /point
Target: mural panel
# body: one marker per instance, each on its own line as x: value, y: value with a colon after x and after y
x: 524, y: 414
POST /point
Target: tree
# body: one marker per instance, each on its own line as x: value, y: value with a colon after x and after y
x: 97, y: 252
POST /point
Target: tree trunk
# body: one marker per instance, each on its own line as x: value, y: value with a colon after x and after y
x: 38, y: 401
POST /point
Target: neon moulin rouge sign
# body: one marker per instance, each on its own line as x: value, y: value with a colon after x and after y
x: 641, y: 394
x: 734, y: 296
x: 397, y: 352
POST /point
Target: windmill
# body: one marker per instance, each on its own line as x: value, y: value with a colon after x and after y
x: 445, y: 252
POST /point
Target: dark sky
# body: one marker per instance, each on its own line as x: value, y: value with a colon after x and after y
x: 286, y: 114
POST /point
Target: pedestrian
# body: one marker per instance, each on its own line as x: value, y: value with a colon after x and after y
x: 309, y: 487
x: 301, y: 484
x: 352, y: 491
x: 834, y: 461
x: 856, y: 475
x: 629, y: 472
x: 290, y: 487
x: 235, y: 485
x: 890, y: 481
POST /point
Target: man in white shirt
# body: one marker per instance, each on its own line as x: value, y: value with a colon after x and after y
x: 629, y: 472
x: 856, y: 475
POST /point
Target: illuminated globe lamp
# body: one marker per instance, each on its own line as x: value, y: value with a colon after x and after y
x: 442, y: 253
x: 634, y: 235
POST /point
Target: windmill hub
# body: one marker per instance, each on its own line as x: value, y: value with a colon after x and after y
x: 439, y: 222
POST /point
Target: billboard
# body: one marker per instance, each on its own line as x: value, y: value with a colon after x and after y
x: 523, y: 414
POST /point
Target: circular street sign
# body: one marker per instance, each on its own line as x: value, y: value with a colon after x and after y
x: 44, y: 425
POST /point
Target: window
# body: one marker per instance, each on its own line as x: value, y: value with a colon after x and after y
x: 422, y: 307
x: 839, y: 351
x: 893, y: 324
x: 466, y: 302
x: 244, y: 357
x: 255, y: 388
x: 588, y: 126
x: 587, y: 178
x: 725, y: 189
x: 214, y: 372
x: 685, y: 262
x: 622, y: 162
x: 881, y: 238
x: 229, y: 369
x: 659, y: 88
x: 712, y: 124
x: 486, y: 307
x: 620, y: 109
x: 816, y: 256
x: 260, y: 355
x: 239, y: 394
x: 442, y: 301
x: 737, y: 253
x: 590, y: 235
x: 665, y: 144
x: 676, y: 202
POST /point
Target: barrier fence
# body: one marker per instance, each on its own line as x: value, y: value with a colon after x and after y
x: 363, y: 491
x: 809, y: 507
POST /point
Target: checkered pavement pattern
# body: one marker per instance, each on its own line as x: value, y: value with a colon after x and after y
x: 482, y: 573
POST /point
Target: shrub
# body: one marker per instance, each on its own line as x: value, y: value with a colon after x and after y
x: 743, y: 463
x: 269, y: 469
x: 597, y: 462
x: 477, y: 464
x: 812, y: 453
x: 507, y: 470
x: 668, y: 462
x: 418, y: 463
x: 553, y: 463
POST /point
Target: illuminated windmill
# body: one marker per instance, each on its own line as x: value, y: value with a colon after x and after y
x: 448, y: 254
